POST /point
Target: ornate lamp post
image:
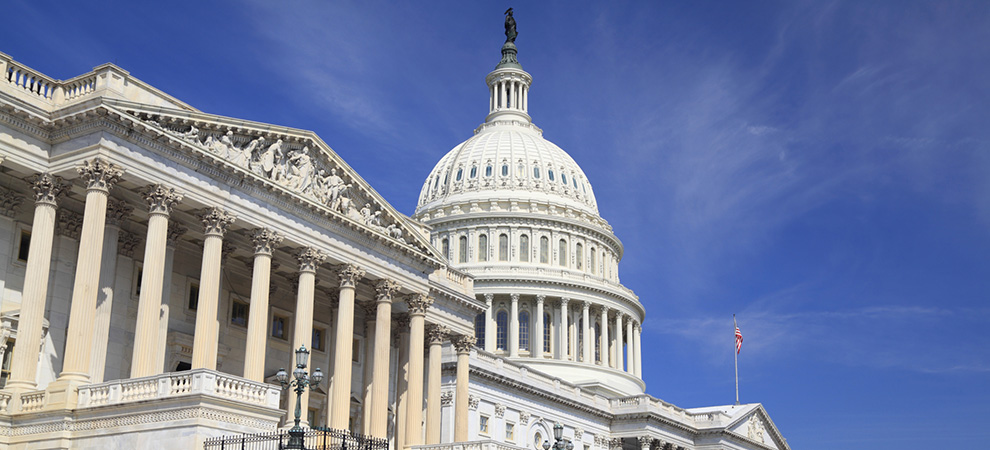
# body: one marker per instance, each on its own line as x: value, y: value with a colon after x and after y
x: 558, y: 436
x: 301, y: 382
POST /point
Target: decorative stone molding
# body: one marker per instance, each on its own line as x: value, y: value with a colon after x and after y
x: 418, y: 303
x: 349, y: 275
x: 755, y: 429
x: 265, y: 240
x: 473, y: 402
x: 175, y: 231
x: 216, y: 220
x: 310, y: 258
x: 385, y: 289
x: 99, y: 174
x: 118, y: 211
x: 464, y: 343
x: 69, y: 224
x: 47, y: 188
x: 436, y: 333
x: 10, y: 202
x: 401, y: 323
x: 540, y: 299
x: 578, y: 434
x: 615, y: 443
x: 160, y: 199
x: 226, y: 249
x: 446, y: 398
x: 524, y: 418
x: 127, y: 242
x: 499, y: 410
x: 489, y: 298
x: 644, y: 441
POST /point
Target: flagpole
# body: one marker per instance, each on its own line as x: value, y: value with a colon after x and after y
x: 735, y: 355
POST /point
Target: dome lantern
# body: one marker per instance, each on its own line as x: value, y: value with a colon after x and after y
x: 508, y: 84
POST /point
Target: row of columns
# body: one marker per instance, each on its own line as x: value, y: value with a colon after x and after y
x: 565, y: 340
x: 507, y: 94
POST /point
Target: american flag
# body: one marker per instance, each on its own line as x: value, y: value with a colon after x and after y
x: 738, y: 339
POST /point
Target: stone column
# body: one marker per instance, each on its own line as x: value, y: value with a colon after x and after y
x: 117, y: 213
x: 370, y: 317
x: 618, y: 341
x: 100, y: 177
x: 436, y: 334
x: 160, y: 202
x: 418, y: 303
x: 490, y: 326
x: 514, y: 326
x: 24, y: 363
x: 265, y: 241
x: 536, y: 345
x: 175, y: 231
x: 309, y: 260
x: 402, y: 380
x: 340, y: 403
x: 639, y: 350
x: 603, y: 339
x: 215, y: 223
x: 463, y: 346
x: 586, y: 332
x: 385, y: 289
x: 630, y: 359
x: 562, y: 339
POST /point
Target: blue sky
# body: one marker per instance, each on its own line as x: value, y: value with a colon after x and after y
x: 821, y: 169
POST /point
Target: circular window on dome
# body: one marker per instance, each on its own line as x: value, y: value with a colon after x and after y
x: 505, y: 170
x: 488, y: 171
x: 536, y: 172
x: 460, y: 173
x: 550, y: 174
x: 474, y: 172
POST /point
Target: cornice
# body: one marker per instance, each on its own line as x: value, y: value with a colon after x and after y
x: 519, y: 218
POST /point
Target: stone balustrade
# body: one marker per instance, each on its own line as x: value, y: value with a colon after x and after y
x: 176, y: 384
x: 487, y: 444
x: 4, y: 402
x: 647, y: 404
x: 518, y: 371
x: 32, y: 401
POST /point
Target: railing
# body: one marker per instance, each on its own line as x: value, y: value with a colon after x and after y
x: 32, y: 401
x: 4, y: 402
x: 22, y: 77
x: 315, y: 438
x: 177, y: 384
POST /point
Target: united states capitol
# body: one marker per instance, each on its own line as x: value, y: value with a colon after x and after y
x: 160, y: 264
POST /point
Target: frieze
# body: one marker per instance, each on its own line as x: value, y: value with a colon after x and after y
x: 10, y: 203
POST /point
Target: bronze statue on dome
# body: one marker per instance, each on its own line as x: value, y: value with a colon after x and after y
x: 510, y: 27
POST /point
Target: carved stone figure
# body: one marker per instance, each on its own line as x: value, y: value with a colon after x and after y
x: 395, y: 232
x: 192, y: 134
x: 366, y: 214
x: 335, y: 185
x: 510, y: 27
x: 268, y: 160
x: 225, y: 145
x: 301, y: 170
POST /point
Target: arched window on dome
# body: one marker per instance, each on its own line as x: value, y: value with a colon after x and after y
x: 584, y: 187
x: 547, y: 333
x: 550, y: 174
x: 474, y: 172
x: 536, y: 173
x: 604, y: 262
x: 505, y: 170
x: 544, y: 250
x: 524, y: 248
x: 524, y: 330
x: 598, y: 341
x: 445, y: 178
x: 521, y: 169
x: 488, y: 170
x: 445, y: 247
x: 580, y: 340
x: 436, y: 182
x: 578, y: 256
x: 563, y: 179
x: 501, y: 330
x: 462, y: 249
x: 591, y: 267
x: 503, y: 247
x: 460, y: 174
x: 574, y: 181
x: 479, y: 329
x: 562, y: 251
x: 483, y: 247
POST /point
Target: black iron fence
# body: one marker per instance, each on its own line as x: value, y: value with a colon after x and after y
x: 313, y: 439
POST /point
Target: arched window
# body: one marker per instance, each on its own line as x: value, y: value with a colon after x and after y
x: 546, y: 332
x: 436, y: 182
x: 501, y: 330
x: 445, y: 178
x: 445, y: 248
x: 550, y: 174
x: 524, y: 248
x: 598, y: 342
x: 580, y: 339
x: 562, y: 251
x: 479, y: 329
x: 483, y: 247
x: 544, y: 250
x: 536, y: 172
x: 574, y: 180
x: 505, y: 170
x: 604, y: 261
x: 503, y: 247
x: 563, y: 179
x: 592, y: 267
x: 579, y: 256
x: 474, y: 172
x: 462, y: 249
x: 488, y: 171
x: 460, y: 173
x: 524, y: 330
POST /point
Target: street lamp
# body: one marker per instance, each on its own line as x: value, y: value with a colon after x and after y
x: 301, y: 383
x: 558, y: 436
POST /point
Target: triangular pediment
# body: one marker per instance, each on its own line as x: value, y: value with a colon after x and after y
x: 755, y: 425
x: 293, y: 162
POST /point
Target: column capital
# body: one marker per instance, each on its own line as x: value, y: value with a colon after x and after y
x: 564, y: 301
x: 436, y: 333
x: 117, y: 212
x: 489, y: 298
x: 369, y: 308
x: 540, y: 299
x: 385, y: 289
x: 216, y: 220
x: 615, y: 443
x: 100, y: 175
x: 586, y: 305
x: 68, y: 224
x: 638, y: 327
x: 10, y: 202
x: 645, y: 441
x: 349, y: 275
x: 127, y: 243
x: 402, y: 322
x: 265, y: 240
x: 418, y: 303
x: 47, y: 188
x: 463, y: 343
x: 514, y: 297
x: 605, y: 309
x: 175, y: 231
x: 310, y: 258
x: 160, y: 199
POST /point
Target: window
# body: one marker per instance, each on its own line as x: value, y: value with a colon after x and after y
x: 501, y: 330
x: 24, y: 246
x: 445, y: 246
x: 574, y: 180
x: 550, y: 174
x: 580, y: 339
x: 488, y: 171
x: 505, y: 170
x: 544, y: 250
x: 521, y: 169
x: 460, y: 173
x: 510, y: 431
x: 317, y: 344
x: 356, y: 350
x: 479, y: 329
x: 138, y: 278
x: 462, y: 249
x: 483, y: 247
x: 193, y: 297
x: 503, y: 247
x: 592, y: 260
x: 483, y: 424
x: 311, y: 415
x: 238, y: 313
x: 436, y: 182
x: 602, y: 270
x: 524, y: 330
x: 578, y: 256
x: 598, y: 342
x: 563, y: 179
x: 474, y: 172
x: 536, y: 172
x: 524, y: 248
x: 546, y: 333
x: 562, y: 250
x: 279, y: 326
x: 538, y: 441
